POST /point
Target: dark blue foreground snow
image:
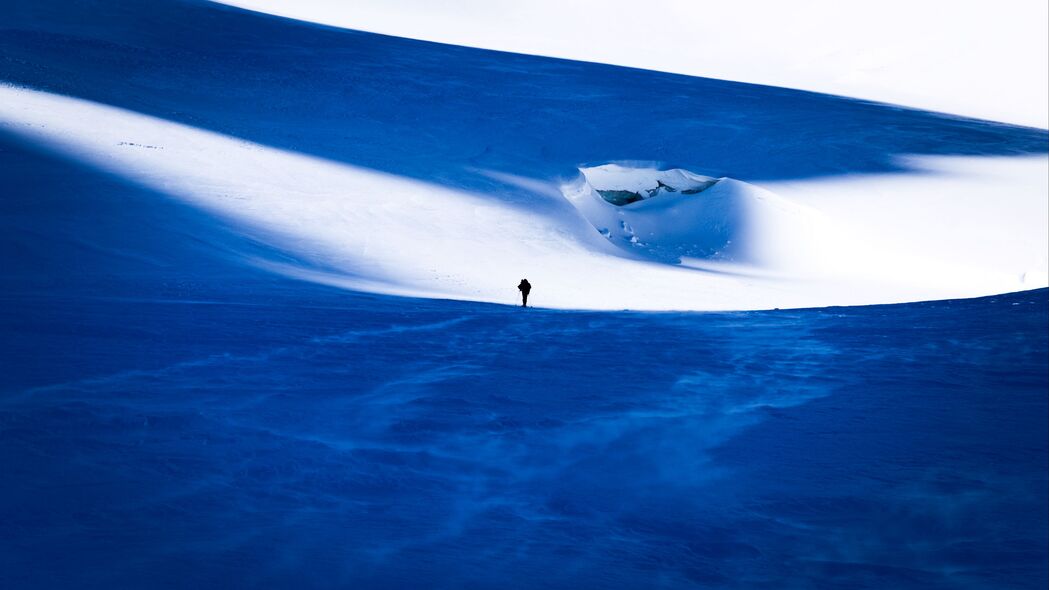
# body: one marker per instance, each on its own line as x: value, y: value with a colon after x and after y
x: 285, y: 435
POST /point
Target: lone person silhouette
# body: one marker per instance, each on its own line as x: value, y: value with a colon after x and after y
x: 524, y: 287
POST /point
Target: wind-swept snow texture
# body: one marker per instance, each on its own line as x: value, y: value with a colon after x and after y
x: 405, y: 167
x: 243, y: 433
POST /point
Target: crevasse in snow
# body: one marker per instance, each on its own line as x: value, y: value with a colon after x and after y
x: 675, y: 215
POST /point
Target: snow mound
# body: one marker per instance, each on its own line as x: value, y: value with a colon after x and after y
x: 676, y: 215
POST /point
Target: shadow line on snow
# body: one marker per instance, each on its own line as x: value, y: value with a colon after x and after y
x: 442, y: 113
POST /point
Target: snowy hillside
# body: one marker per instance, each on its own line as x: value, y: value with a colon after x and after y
x: 977, y: 59
x: 404, y: 167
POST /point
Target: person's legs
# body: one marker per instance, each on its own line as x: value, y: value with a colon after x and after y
x: 524, y: 298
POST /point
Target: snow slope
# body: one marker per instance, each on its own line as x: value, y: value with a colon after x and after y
x: 404, y: 167
x: 233, y: 436
x: 968, y: 58
x: 178, y: 409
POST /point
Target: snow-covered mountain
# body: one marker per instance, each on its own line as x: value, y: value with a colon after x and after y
x: 406, y: 167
